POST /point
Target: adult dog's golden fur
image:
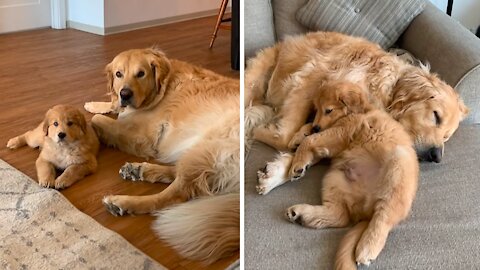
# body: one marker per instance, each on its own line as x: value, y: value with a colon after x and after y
x: 373, y: 177
x: 187, y: 118
x: 67, y: 143
x: 286, y: 75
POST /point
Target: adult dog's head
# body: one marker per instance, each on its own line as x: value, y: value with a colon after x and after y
x: 337, y: 99
x: 429, y: 109
x: 136, y: 77
x: 64, y: 124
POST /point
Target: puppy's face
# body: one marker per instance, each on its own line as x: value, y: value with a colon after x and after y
x: 135, y: 77
x: 431, y: 112
x: 64, y: 124
x: 335, y: 100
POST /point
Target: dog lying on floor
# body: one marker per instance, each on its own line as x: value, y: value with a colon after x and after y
x: 187, y: 118
x: 373, y: 177
x: 67, y: 143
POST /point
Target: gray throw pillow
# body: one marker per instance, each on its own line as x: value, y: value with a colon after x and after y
x: 380, y: 21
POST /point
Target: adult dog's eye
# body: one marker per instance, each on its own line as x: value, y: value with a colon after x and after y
x: 118, y: 74
x: 55, y: 123
x: 140, y: 74
x: 328, y: 111
x: 69, y: 123
x: 438, y: 120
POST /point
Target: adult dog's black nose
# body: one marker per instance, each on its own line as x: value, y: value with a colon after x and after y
x: 62, y: 135
x: 126, y: 93
x: 435, y: 154
x: 316, y: 129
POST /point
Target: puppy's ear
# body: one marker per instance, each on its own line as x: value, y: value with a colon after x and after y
x: 110, y: 89
x: 80, y: 121
x: 46, y: 123
x: 354, y: 101
x: 464, y: 110
x: 160, y: 67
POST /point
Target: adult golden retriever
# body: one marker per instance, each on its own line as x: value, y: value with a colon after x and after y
x: 373, y: 177
x: 187, y: 118
x: 67, y: 143
x: 280, y: 80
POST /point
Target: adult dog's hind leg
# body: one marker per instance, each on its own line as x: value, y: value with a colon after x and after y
x: 207, y: 168
x: 149, y: 172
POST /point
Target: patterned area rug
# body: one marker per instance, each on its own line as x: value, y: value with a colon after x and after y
x: 40, y: 229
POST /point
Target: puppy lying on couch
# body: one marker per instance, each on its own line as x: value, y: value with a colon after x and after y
x: 67, y: 143
x: 373, y: 177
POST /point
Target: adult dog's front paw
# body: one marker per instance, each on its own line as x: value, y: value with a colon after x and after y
x: 114, y: 205
x: 131, y: 171
x: 98, y: 107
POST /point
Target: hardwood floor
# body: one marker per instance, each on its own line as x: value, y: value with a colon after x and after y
x: 42, y: 68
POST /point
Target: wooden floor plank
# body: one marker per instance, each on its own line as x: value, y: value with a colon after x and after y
x: 42, y: 68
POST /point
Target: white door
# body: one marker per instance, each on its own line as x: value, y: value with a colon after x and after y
x: 18, y: 15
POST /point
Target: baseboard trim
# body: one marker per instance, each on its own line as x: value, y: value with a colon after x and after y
x: 86, y: 28
x: 174, y: 19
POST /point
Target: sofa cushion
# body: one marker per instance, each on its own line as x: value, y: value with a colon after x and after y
x: 441, y: 232
x: 258, y: 26
x: 284, y: 17
x: 379, y: 21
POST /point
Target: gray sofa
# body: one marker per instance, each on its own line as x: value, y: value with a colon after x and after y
x: 443, y: 231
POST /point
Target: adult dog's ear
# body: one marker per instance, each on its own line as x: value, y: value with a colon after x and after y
x: 161, y: 68
x: 353, y: 100
x: 46, y: 123
x: 110, y: 89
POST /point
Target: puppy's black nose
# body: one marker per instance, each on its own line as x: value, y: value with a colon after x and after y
x: 316, y: 129
x: 61, y: 135
x: 435, y: 154
x: 126, y: 93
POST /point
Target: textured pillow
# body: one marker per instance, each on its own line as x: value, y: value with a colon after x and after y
x: 378, y: 21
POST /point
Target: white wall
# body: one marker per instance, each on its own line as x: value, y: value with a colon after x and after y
x: 134, y: 11
x: 89, y: 12
x: 467, y: 12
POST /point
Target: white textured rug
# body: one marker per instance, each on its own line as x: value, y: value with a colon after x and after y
x: 40, y: 229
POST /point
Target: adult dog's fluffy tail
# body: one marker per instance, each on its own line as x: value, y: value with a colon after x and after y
x: 205, y: 229
x: 345, y: 257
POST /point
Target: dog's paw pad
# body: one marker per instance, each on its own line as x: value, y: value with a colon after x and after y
x: 293, y: 216
x: 112, y: 208
x: 131, y: 171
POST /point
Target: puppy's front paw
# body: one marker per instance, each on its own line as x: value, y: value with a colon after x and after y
x: 112, y: 206
x: 14, y: 143
x: 131, y: 171
x: 61, y: 184
x: 368, y: 250
x: 298, y: 170
x: 46, y: 183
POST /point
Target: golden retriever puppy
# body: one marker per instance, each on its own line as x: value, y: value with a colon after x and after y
x: 67, y: 143
x: 282, y: 79
x: 187, y: 118
x: 373, y: 177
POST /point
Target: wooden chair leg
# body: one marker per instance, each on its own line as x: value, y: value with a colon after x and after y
x: 221, y: 12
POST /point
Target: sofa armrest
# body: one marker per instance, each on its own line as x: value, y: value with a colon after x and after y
x: 259, y: 31
x: 450, y: 48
